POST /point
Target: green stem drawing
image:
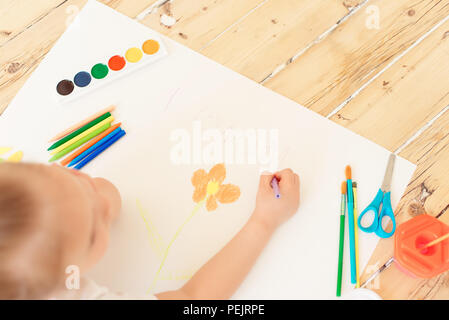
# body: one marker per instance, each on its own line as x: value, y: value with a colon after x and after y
x: 178, y: 232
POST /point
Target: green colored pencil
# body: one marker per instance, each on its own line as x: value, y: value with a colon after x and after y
x: 80, y: 142
x: 342, y: 237
x: 79, y: 131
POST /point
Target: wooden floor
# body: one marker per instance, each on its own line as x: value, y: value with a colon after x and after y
x: 377, y: 67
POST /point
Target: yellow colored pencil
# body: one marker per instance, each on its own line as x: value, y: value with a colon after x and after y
x: 82, y: 123
x: 82, y: 135
x: 356, y: 242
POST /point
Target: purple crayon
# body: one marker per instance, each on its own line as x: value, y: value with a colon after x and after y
x: 275, y: 186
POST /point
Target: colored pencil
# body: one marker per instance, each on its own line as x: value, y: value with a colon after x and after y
x: 95, y: 146
x: 82, y: 123
x: 97, y: 152
x: 436, y: 241
x: 275, y: 186
x: 79, y: 131
x: 342, y: 237
x: 90, y: 144
x: 82, y: 135
x: 356, y: 238
x: 350, y: 199
x: 80, y: 142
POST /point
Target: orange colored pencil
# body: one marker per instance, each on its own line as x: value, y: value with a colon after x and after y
x: 90, y: 144
x: 82, y: 123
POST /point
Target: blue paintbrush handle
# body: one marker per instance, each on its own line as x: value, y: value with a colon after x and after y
x: 351, y: 232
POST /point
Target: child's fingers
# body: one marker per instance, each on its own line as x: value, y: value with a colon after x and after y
x: 296, y: 179
x: 265, y: 181
x: 286, y: 177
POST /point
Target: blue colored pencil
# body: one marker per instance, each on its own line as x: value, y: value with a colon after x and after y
x: 94, y: 154
x: 94, y: 147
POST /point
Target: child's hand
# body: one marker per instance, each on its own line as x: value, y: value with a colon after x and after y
x: 272, y: 211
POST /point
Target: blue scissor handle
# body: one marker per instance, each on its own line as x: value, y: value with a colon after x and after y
x: 374, y: 207
x: 386, y: 211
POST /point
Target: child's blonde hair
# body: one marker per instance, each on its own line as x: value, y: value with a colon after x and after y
x: 30, y: 254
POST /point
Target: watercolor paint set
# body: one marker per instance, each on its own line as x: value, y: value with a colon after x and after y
x: 90, y: 76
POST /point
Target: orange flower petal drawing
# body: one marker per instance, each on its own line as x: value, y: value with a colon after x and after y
x: 200, y: 193
x: 209, y: 187
x: 228, y: 193
x: 211, y: 203
x: 199, y: 178
x: 217, y: 173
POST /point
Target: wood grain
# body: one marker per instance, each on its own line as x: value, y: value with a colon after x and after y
x: 199, y: 21
x: 10, y: 10
x: 327, y: 74
x: 405, y: 97
x: 273, y: 34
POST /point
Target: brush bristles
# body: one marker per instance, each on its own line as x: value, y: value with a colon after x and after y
x: 354, y: 184
x: 343, y: 187
x: 348, y: 172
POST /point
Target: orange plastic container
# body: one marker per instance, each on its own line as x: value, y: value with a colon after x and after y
x: 411, y: 236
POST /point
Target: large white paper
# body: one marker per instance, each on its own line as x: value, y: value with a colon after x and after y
x: 181, y: 93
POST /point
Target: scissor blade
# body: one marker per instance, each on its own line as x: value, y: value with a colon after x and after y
x: 386, y: 184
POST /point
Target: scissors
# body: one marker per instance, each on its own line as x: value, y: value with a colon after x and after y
x: 382, y: 199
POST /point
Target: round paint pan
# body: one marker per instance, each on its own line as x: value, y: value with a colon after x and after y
x: 82, y: 79
x: 116, y: 63
x: 150, y: 47
x: 133, y: 55
x: 99, y: 71
x: 65, y: 87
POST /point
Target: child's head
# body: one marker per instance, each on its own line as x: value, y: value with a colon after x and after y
x: 50, y: 217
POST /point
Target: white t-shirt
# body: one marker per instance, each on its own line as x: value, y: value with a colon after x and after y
x: 89, y: 290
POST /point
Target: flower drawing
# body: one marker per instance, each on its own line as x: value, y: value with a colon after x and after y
x: 208, y: 189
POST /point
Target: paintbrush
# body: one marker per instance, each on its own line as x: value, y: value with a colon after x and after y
x: 350, y: 198
x: 354, y: 191
x: 342, y: 237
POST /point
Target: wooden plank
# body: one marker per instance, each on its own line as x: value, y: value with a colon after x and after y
x: 22, y: 54
x: 405, y: 97
x: 199, y: 21
x: 129, y: 8
x: 327, y: 74
x: 273, y: 34
x: 17, y: 15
